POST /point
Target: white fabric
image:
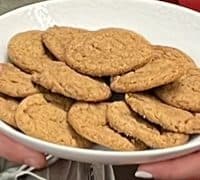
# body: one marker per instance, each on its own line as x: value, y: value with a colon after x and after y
x: 62, y: 170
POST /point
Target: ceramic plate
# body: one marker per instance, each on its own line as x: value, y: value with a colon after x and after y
x: 161, y: 23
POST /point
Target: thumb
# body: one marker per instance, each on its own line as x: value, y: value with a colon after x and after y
x: 186, y: 167
x: 13, y: 151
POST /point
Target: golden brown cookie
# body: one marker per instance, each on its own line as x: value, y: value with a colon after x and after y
x: 159, y: 71
x: 168, y: 117
x: 8, y: 107
x: 26, y: 51
x: 57, y: 38
x: 166, y: 65
x: 52, y: 75
x: 107, y: 52
x: 60, y: 101
x: 174, y: 54
x: 61, y: 79
x: 122, y: 119
x: 89, y: 120
x: 183, y: 93
x: 41, y: 119
x: 15, y: 83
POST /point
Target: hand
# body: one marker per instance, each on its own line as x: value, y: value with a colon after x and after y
x: 13, y: 151
x: 183, y: 168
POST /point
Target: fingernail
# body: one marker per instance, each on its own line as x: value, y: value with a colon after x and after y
x: 143, y: 174
x: 31, y: 162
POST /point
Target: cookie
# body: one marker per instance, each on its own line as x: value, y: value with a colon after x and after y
x: 26, y: 51
x: 58, y: 100
x: 107, y: 52
x: 159, y: 71
x: 89, y: 120
x: 61, y: 79
x: 56, y: 39
x: 174, y: 54
x: 122, y: 119
x: 8, y: 109
x: 41, y: 119
x: 168, y: 117
x: 14, y: 82
x: 183, y: 93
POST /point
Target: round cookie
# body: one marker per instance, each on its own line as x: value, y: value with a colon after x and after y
x: 8, y: 109
x: 61, y: 79
x: 159, y: 71
x: 26, y: 51
x: 107, y: 52
x: 40, y: 119
x: 89, y: 120
x: 123, y: 120
x: 176, y: 55
x: 15, y: 83
x: 166, y: 116
x: 183, y: 93
x: 56, y: 39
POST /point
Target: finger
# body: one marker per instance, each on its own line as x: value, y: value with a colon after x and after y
x: 186, y: 167
x: 13, y: 151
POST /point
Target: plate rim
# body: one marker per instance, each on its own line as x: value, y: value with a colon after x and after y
x: 8, y: 130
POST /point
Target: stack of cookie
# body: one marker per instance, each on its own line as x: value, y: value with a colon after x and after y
x: 110, y: 87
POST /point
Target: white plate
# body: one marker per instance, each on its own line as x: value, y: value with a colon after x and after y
x: 161, y: 23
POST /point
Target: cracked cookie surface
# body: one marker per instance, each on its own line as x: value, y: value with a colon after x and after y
x: 89, y: 120
x: 55, y: 76
x: 60, y: 101
x: 15, y: 83
x: 183, y: 93
x: 8, y: 108
x: 176, y: 55
x: 157, y: 72
x: 168, y: 117
x: 122, y: 119
x: 57, y: 38
x: 41, y: 119
x: 26, y: 51
x: 107, y: 52
x: 63, y: 80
